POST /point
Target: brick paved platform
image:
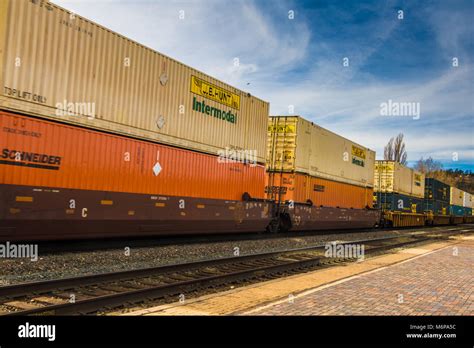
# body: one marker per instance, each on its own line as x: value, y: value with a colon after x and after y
x: 438, y: 283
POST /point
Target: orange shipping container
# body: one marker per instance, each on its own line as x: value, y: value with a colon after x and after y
x: 47, y: 154
x: 321, y: 192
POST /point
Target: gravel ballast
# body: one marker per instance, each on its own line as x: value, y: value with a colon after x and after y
x: 73, y: 264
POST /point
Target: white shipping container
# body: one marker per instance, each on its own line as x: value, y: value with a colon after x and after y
x: 391, y: 176
x: 456, y: 197
x: 467, y: 200
x: 70, y: 69
x: 298, y: 145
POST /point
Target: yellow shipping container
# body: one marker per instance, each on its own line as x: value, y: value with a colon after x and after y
x: 61, y: 66
x: 391, y: 176
x: 456, y: 196
x: 297, y: 145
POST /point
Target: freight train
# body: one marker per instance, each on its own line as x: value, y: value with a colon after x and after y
x: 407, y: 198
x: 103, y: 137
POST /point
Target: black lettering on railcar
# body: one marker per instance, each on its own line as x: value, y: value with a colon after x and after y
x: 275, y: 189
x: 319, y: 188
x: 30, y: 159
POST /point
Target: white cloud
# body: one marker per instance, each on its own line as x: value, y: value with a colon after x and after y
x: 453, y: 28
x: 210, y: 36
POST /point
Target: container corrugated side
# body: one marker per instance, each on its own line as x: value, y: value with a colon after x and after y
x: 391, y: 176
x: 467, y: 200
x: 73, y: 70
x: 437, y: 190
x: 41, y: 153
x: 281, y: 143
x: 300, y: 188
x: 384, y: 177
x: 457, y: 210
x: 398, y: 202
x: 436, y: 207
x: 456, y: 196
x: 298, y: 145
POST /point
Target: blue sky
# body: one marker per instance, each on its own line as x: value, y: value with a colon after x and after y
x: 299, y: 61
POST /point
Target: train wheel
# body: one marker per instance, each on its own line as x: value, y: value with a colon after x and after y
x: 285, y: 222
x: 273, y: 226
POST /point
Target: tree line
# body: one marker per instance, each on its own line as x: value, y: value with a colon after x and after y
x: 464, y: 180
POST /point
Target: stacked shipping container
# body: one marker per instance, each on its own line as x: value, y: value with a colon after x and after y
x: 136, y: 142
x: 456, y: 208
x: 437, y: 195
x: 398, y: 188
x: 310, y: 165
x: 436, y: 202
x: 467, y: 204
x: 456, y: 200
x: 460, y: 202
x: 69, y: 69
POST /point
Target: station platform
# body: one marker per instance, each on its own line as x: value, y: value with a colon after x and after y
x: 433, y: 279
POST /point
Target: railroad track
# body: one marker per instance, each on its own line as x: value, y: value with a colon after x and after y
x: 89, y: 294
x: 54, y: 247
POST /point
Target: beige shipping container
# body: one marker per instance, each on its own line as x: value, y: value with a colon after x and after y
x: 61, y: 66
x: 391, y: 176
x: 456, y: 196
x: 467, y: 200
x: 299, y: 146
